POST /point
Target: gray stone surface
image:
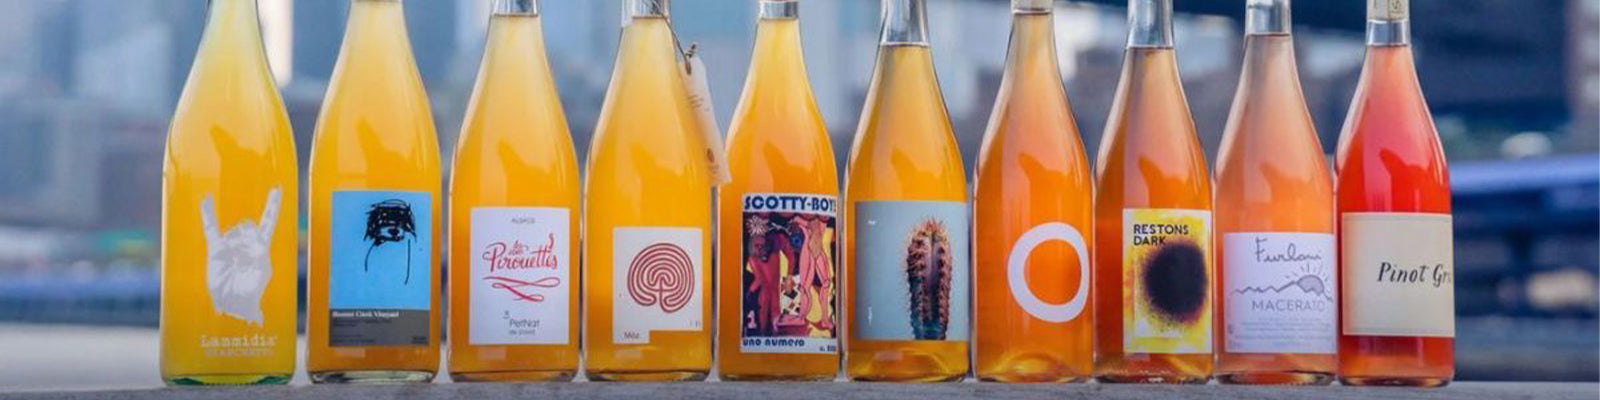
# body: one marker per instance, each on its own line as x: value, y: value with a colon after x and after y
x: 831, y: 391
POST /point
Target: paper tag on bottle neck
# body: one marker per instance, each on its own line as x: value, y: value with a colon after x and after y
x: 705, y: 117
x: 1388, y: 10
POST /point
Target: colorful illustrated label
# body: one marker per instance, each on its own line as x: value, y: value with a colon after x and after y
x: 656, y: 282
x: 1017, y: 272
x: 239, y: 260
x: 521, y: 275
x: 1280, y: 294
x: 1398, y: 273
x: 913, y: 275
x: 380, y: 268
x: 789, y: 270
x: 1166, y: 281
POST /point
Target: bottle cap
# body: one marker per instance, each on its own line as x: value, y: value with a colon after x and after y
x: 1388, y: 10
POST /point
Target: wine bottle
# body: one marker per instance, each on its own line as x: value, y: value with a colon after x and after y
x: 1154, y: 264
x: 647, y: 216
x: 513, y: 215
x: 230, y: 210
x: 779, y: 219
x: 908, y: 277
x: 372, y: 278
x: 1274, y: 210
x: 1034, y: 208
x: 1396, y: 260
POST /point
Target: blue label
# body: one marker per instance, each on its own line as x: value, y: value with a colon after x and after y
x: 381, y: 250
x: 912, y: 272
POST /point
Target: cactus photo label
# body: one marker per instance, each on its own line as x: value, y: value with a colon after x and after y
x: 912, y: 270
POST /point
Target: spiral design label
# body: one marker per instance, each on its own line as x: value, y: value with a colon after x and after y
x: 661, y: 275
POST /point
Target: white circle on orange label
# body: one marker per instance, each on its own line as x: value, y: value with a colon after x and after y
x: 1016, y: 272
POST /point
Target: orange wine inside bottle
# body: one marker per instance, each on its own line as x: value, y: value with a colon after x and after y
x: 1397, y: 320
x: 778, y: 293
x: 1278, y: 310
x: 372, y: 279
x: 1034, y: 209
x: 647, y: 216
x: 1154, y: 264
x: 230, y: 190
x: 907, y: 277
x: 513, y: 215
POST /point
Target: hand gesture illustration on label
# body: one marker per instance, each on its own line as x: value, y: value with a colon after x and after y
x: 238, y: 262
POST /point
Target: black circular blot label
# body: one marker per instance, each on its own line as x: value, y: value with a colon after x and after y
x: 1175, y: 281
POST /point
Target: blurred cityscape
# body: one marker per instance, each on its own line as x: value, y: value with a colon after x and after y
x: 87, y: 87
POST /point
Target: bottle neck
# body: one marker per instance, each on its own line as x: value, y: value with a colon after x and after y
x: 1150, y: 23
x: 1388, y: 22
x: 1266, y: 17
x: 905, y: 22
x: 780, y: 9
x: 528, y: 8
x: 1030, y: 6
x: 632, y: 9
x: 241, y: 14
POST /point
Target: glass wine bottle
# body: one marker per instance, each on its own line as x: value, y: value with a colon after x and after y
x: 513, y: 224
x: 778, y: 219
x: 908, y: 277
x: 1274, y: 210
x: 1397, y: 321
x: 372, y: 284
x: 230, y: 190
x: 647, y: 216
x: 1154, y: 264
x: 1034, y: 207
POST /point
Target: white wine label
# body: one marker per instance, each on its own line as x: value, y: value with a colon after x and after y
x: 656, y: 282
x: 1398, y: 274
x: 1280, y: 293
x: 705, y: 117
x: 913, y: 274
x: 789, y: 274
x: 1388, y: 10
x: 521, y: 276
x: 380, y: 268
x: 1166, y: 281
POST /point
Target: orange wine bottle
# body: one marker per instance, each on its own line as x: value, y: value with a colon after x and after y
x: 1034, y: 208
x: 372, y: 284
x: 513, y: 215
x: 230, y: 195
x: 908, y: 275
x: 778, y: 216
x: 1278, y: 316
x: 647, y: 216
x: 1154, y: 264
x: 1397, y: 323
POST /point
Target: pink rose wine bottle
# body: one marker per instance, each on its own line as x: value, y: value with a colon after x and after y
x: 1397, y: 323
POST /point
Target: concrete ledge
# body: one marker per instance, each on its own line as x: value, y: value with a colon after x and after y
x: 834, y: 391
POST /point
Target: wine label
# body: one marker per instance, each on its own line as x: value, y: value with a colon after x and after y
x: 239, y: 260
x: 1388, y: 10
x: 521, y: 274
x: 655, y: 279
x: 1280, y: 293
x: 1166, y: 281
x: 705, y: 117
x: 912, y: 275
x: 380, y: 268
x: 238, y: 269
x: 789, y: 274
x: 1017, y: 272
x: 1398, y: 271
